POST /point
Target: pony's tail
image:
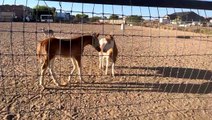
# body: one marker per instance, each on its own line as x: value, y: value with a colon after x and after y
x: 40, y: 51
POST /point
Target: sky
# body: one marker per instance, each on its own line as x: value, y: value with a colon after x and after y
x: 98, y: 9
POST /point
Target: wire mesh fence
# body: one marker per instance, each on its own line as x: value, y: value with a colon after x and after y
x: 163, y: 67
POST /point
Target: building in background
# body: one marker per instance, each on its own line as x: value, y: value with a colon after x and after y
x: 63, y: 17
x: 185, y: 17
x: 15, y: 13
x: 165, y: 20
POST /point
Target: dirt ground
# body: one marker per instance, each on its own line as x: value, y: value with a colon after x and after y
x: 158, y: 76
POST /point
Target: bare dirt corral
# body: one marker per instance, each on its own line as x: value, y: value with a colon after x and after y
x: 156, y: 77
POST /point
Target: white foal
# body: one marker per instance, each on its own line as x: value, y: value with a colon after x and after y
x: 108, y: 51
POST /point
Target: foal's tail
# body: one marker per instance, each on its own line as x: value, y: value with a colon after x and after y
x: 41, y: 47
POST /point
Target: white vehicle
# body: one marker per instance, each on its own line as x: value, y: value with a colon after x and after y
x: 46, y: 18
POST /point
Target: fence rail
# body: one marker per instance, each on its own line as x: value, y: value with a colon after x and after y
x: 192, y: 4
x: 163, y: 70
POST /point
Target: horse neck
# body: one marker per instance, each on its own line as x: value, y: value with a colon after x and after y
x: 87, y: 40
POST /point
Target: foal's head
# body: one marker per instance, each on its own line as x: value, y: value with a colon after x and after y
x: 109, y: 38
x: 95, y: 41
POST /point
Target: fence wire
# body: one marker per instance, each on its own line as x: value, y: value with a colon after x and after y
x: 163, y: 68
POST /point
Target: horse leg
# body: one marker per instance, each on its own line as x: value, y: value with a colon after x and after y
x: 103, y: 61
x: 78, y: 63
x: 100, y: 60
x: 107, y: 62
x: 51, y: 71
x: 43, y: 70
x: 74, y: 67
x: 113, y: 64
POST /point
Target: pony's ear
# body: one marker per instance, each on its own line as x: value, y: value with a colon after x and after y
x: 109, y: 37
x: 96, y: 34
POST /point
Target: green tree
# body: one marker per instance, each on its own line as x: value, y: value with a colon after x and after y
x: 95, y: 19
x: 81, y: 18
x: 134, y: 19
x: 40, y: 9
x: 114, y: 17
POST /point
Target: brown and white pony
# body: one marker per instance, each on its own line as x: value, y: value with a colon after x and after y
x: 48, y: 48
x: 108, y: 51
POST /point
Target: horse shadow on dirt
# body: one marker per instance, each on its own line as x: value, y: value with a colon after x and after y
x: 175, y: 72
x: 203, y: 88
x: 172, y: 72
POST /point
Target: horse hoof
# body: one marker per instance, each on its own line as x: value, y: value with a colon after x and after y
x: 64, y: 85
x: 43, y: 88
